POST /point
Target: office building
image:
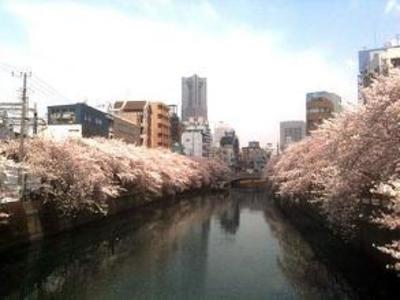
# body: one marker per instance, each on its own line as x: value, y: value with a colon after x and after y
x: 291, y: 132
x: 319, y: 107
x: 194, y: 98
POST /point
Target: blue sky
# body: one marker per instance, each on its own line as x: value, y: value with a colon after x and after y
x: 260, y: 57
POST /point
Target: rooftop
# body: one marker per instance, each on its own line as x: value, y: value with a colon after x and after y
x: 130, y: 105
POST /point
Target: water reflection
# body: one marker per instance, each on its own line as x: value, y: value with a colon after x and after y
x: 208, y: 247
x: 230, y: 217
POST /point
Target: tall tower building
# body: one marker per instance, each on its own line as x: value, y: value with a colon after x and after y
x: 194, y: 98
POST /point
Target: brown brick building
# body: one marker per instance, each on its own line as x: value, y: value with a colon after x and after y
x: 151, y: 117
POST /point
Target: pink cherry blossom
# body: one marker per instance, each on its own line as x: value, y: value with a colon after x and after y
x: 81, y: 174
x: 350, y: 162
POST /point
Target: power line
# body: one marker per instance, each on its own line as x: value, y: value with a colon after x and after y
x: 44, y: 86
x: 36, y: 81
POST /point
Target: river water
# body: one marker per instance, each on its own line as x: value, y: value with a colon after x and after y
x: 232, y: 246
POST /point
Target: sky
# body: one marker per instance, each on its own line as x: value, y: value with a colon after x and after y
x: 260, y: 57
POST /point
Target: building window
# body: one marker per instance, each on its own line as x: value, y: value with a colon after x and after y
x: 62, y: 116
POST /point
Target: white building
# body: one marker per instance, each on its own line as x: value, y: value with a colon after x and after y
x: 63, y: 132
x: 372, y: 62
x: 196, y: 138
x: 220, y: 129
x: 291, y: 132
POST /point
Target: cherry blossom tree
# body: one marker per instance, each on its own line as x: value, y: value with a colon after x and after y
x: 349, y: 161
x: 80, y: 175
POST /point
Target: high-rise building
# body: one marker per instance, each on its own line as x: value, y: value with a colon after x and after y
x: 153, y: 119
x: 378, y: 61
x: 194, y: 98
x: 291, y: 132
x: 319, y: 107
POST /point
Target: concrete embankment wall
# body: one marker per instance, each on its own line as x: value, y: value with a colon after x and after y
x: 362, y: 240
x: 32, y: 220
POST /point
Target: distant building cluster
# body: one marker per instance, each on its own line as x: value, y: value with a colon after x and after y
x: 320, y: 106
x: 143, y: 123
x: 156, y: 124
x: 323, y: 105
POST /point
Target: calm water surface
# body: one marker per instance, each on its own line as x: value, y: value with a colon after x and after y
x: 233, y: 246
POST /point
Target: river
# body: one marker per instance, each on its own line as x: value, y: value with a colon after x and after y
x: 236, y: 245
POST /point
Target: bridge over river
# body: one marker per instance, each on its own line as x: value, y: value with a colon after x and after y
x: 244, y: 178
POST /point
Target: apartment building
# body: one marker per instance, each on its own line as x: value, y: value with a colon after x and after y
x: 152, y: 119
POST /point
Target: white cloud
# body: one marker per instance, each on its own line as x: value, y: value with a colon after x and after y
x: 392, y: 6
x: 104, y: 55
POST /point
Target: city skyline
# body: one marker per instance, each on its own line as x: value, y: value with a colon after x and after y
x: 248, y: 53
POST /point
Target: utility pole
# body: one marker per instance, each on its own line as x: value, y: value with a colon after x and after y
x: 35, y: 120
x: 24, y: 110
x: 23, y: 118
x: 23, y: 131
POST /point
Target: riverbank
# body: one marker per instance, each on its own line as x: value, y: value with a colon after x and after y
x: 195, y: 247
x: 346, y: 174
x: 31, y: 221
x: 81, y: 181
x: 308, y: 216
